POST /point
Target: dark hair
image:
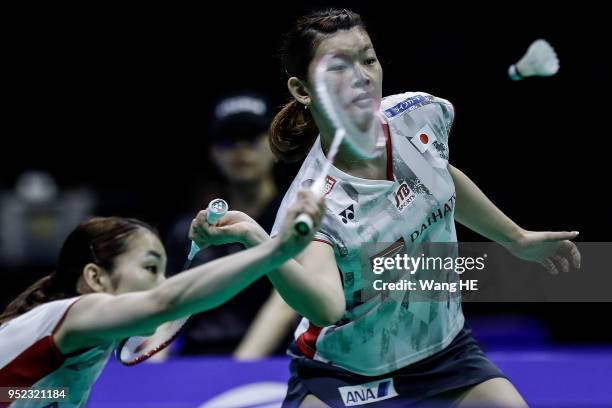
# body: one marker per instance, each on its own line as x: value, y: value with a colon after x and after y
x: 293, y: 130
x: 99, y: 240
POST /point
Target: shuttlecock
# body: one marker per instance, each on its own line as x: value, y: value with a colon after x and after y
x: 540, y: 60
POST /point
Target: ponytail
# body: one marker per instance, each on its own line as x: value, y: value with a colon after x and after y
x: 43, y: 290
x: 292, y: 133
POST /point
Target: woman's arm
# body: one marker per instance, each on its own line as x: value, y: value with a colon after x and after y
x: 311, y: 285
x: 99, y: 318
x: 475, y: 211
x: 269, y: 328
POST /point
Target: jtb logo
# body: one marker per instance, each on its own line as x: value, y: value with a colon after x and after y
x: 368, y: 393
x: 403, y: 197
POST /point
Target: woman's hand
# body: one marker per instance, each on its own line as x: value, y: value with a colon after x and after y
x: 307, y: 203
x: 553, y: 250
x: 234, y: 226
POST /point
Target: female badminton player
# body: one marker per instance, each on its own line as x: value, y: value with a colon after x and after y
x: 355, y: 345
x: 109, y: 285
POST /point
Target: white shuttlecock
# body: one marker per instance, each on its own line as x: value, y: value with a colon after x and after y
x: 540, y: 60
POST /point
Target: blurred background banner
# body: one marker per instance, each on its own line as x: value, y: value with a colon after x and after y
x: 554, y: 378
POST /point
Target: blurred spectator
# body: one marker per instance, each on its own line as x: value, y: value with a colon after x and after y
x: 240, y: 151
x: 36, y: 217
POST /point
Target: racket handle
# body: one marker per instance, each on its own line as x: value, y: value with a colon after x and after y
x: 193, y: 251
x: 216, y: 210
x: 303, y: 224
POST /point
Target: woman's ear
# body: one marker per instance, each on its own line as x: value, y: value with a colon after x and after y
x: 299, y: 91
x: 94, y: 279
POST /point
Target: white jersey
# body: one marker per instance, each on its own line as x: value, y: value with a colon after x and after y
x: 382, y: 331
x: 29, y: 357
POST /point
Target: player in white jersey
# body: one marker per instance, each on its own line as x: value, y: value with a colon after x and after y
x: 357, y: 345
x: 109, y: 285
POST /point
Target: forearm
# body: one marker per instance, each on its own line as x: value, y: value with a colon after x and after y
x: 209, y: 285
x: 267, y: 330
x: 310, y: 296
x: 474, y: 210
x: 318, y: 297
x: 103, y: 317
x: 315, y: 296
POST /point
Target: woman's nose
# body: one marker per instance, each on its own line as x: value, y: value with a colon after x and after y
x: 360, y: 78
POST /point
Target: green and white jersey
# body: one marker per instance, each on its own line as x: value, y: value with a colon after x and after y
x: 382, y: 331
x: 29, y: 357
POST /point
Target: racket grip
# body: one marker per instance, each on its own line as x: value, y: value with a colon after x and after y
x: 216, y: 209
x: 303, y: 224
x: 193, y: 251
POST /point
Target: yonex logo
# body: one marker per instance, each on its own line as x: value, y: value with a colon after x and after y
x: 368, y: 393
x: 403, y: 196
x: 348, y: 214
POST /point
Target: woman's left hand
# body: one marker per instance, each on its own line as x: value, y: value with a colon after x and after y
x: 234, y: 226
x: 553, y: 250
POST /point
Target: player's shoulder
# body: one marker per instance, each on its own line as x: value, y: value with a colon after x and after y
x: 54, y: 306
x: 404, y: 97
x: 397, y: 104
x: 46, y: 316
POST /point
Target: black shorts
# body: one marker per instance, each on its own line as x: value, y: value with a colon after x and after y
x: 460, y: 365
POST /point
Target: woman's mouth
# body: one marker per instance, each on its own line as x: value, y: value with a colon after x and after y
x: 364, y: 100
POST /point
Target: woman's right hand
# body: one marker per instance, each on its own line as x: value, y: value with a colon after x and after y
x: 307, y: 203
x: 234, y: 226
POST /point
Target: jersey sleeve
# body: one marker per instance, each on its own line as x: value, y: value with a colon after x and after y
x: 447, y: 117
x: 419, y: 110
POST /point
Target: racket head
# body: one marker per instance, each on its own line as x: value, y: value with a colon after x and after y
x: 137, y: 349
x: 350, y: 103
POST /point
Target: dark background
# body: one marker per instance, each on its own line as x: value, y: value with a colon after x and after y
x: 118, y: 99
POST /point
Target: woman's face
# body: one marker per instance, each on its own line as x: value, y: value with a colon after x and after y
x: 244, y: 161
x: 361, y: 80
x: 142, y: 266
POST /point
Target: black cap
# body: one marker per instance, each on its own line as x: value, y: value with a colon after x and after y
x: 240, y: 116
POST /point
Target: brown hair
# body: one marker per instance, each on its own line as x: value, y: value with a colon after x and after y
x: 98, y: 240
x: 293, y: 130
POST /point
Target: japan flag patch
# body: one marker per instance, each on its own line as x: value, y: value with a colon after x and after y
x: 423, y: 139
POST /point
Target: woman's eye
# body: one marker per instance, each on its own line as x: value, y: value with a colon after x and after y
x: 152, y: 268
x: 370, y: 61
x: 337, y: 67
